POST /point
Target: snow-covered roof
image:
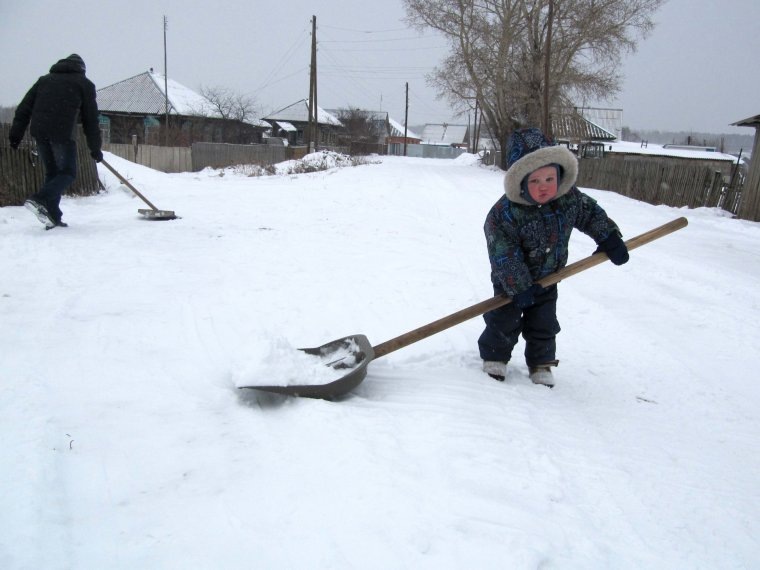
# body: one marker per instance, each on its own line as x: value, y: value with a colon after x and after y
x: 379, y: 116
x: 145, y: 94
x: 444, y: 134
x: 574, y: 127
x: 298, y: 112
x: 650, y: 149
x: 397, y: 130
x: 286, y: 126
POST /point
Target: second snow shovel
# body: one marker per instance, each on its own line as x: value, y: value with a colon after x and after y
x: 152, y: 214
x: 353, y: 353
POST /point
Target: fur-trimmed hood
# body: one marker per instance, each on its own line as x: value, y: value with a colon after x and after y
x: 529, y: 150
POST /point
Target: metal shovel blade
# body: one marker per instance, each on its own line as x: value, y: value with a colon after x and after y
x: 157, y: 214
x: 352, y: 353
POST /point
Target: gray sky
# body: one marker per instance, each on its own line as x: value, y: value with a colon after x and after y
x: 694, y: 72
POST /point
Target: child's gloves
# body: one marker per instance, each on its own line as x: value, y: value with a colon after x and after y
x: 528, y: 297
x: 615, y: 249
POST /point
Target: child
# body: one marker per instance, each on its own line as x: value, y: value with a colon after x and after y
x: 527, y: 234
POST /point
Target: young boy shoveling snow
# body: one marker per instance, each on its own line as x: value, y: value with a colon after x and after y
x: 527, y: 234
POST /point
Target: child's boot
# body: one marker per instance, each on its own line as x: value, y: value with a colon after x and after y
x: 496, y: 369
x: 542, y: 374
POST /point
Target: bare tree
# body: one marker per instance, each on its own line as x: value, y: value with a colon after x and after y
x: 498, y: 53
x: 361, y: 126
x: 229, y: 105
x: 229, y: 115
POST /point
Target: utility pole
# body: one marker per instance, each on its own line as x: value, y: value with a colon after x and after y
x: 313, y: 127
x: 475, y: 130
x: 406, y: 115
x: 166, y: 88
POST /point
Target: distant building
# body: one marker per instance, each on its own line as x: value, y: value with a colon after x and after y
x: 137, y: 107
x: 582, y: 136
x: 378, y: 122
x: 291, y: 123
x: 444, y: 134
x: 396, y: 140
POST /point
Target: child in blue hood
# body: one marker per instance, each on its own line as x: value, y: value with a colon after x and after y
x: 527, y: 234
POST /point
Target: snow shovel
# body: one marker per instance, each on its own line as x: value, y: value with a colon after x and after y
x: 152, y: 214
x: 362, y: 352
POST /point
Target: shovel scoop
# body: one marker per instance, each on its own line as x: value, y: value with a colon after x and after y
x: 153, y: 213
x: 352, y: 354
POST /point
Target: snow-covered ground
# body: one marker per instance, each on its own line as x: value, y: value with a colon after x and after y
x: 126, y: 443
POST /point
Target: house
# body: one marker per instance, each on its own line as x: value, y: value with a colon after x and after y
x: 291, y: 123
x: 444, y: 134
x: 370, y: 126
x: 398, y: 131
x: 137, y: 107
x: 396, y: 140
x: 582, y: 136
x: 750, y: 204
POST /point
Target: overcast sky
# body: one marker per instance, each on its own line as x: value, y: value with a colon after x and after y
x: 694, y: 73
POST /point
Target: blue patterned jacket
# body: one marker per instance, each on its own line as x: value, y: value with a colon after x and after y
x: 527, y: 242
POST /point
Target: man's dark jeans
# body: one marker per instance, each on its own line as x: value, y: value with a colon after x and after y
x: 60, y: 163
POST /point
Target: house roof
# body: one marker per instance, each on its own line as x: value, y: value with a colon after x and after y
x: 624, y: 147
x: 749, y: 122
x: 397, y: 130
x: 286, y: 126
x: 379, y: 116
x: 298, y: 112
x: 444, y: 134
x: 144, y: 94
x: 573, y: 127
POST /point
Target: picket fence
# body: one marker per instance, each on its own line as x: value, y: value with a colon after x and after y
x: 659, y: 180
x: 21, y: 173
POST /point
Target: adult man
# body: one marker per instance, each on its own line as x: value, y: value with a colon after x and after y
x: 53, y: 105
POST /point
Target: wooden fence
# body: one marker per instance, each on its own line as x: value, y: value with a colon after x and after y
x: 161, y: 158
x: 220, y: 155
x: 663, y: 181
x: 750, y: 206
x: 21, y: 173
x: 202, y: 155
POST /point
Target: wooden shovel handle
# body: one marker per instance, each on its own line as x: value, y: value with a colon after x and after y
x: 494, y: 302
x: 127, y: 183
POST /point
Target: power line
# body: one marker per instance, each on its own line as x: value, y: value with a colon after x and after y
x: 286, y: 57
x: 393, y: 49
x: 368, y: 41
x: 364, y: 31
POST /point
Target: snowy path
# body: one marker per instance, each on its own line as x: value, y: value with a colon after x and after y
x: 127, y: 444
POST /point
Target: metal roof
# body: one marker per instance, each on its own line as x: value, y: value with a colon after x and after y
x: 285, y: 126
x: 444, y: 134
x: 575, y: 128
x: 144, y: 94
x: 749, y: 122
x: 298, y: 112
x: 397, y: 130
